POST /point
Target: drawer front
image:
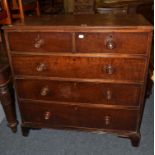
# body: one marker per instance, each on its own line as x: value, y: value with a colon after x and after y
x: 76, y: 116
x: 130, y: 43
x: 80, y: 67
x: 79, y: 92
x: 40, y: 42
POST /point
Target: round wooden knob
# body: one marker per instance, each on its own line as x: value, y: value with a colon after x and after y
x: 44, y: 91
x: 39, y: 43
x: 107, y: 120
x: 109, y: 69
x: 76, y: 108
x: 47, y: 115
x: 41, y: 67
x: 109, y: 95
x: 111, y: 44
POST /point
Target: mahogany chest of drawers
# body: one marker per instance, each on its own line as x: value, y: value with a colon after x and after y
x: 84, y: 72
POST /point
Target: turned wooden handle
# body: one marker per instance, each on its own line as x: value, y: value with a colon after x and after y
x: 109, y: 94
x: 110, y: 44
x: 41, y: 67
x: 39, y: 43
x: 47, y: 115
x: 109, y: 69
x: 107, y: 120
x: 44, y: 91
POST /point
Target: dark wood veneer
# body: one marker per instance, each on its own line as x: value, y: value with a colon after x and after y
x: 80, y: 67
x: 124, y: 42
x: 80, y: 116
x: 80, y: 92
x: 38, y: 41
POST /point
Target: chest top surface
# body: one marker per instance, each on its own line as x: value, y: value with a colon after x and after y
x: 85, y: 21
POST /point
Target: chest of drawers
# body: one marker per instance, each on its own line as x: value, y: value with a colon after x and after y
x: 81, y: 72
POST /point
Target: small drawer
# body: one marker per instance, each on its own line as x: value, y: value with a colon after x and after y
x: 80, y: 67
x: 79, y: 92
x: 40, y: 41
x: 78, y: 116
x: 127, y: 43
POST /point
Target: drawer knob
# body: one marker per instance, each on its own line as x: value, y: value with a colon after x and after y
x: 41, y: 67
x: 110, y: 44
x: 109, y: 95
x: 107, y: 120
x: 39, y: 43
x: 76, y: 108
x: 44, y: 91
x: 47, y: 115
x: 109, y: 69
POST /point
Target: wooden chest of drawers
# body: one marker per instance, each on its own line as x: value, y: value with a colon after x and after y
x: 81, y: 72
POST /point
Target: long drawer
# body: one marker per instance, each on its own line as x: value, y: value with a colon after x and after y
x: 80, y: 67
x: 85, y: 42
x: 78, y: 116
x: 79, y: 92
